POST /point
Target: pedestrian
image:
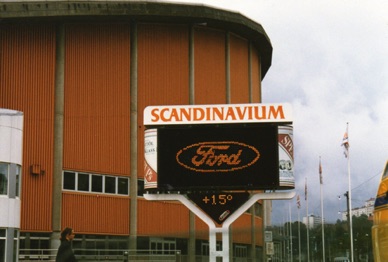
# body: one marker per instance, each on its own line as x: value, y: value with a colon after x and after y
x: 65, y: 252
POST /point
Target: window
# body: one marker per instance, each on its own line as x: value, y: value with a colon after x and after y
x: 99, y: 246
x: 162, y: 246
x: 2, y: 244
x: 240, y: 251
x: 83, y: 182
x: 205, y: 249
x: 93, y: 183
x: 385, y: 172
x: 4, y: 178
x: 140, y: 187
x: 10, y: 179
x: 69, y: 180
x: 15, y: 245
x: 96, y: 183
x: 17, y: 186
x: 32, y: 241
x: 110, y: 185
x: 122, y: 186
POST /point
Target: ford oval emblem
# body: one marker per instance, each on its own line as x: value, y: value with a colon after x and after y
x: 219, y: 156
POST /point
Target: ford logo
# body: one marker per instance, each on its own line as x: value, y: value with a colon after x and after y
x: 219, y: 156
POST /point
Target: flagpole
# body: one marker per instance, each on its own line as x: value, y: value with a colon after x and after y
x: 350, y: 199
x: 307, y: 216
x: 300, y: 259
x: 285, y: 243
x: 322, y: 219
x: 289, y: 208
x: 299, y: 230
x: 345, y: 144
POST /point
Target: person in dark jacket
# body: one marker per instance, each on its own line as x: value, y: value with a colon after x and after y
x: 65, y: 252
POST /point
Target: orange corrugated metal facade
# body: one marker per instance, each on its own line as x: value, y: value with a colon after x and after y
x: 256, y: 77
x: 239, y: 75
x: 97, y: 112
x: 154, y: 221
x: 27, y: 75
x: 163, y: 70
x: 92, y: 213
x: 210, y: 81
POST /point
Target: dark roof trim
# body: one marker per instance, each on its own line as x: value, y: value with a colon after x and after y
x: 142, y: 11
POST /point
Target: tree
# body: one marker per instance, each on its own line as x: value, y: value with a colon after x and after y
x: 337, y: 239
x: 362, y: 227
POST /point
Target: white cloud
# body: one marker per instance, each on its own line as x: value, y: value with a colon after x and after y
x: 330, y: 60
x: 335, y: 73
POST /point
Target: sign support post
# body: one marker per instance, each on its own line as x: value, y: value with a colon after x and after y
x: 224, y: 230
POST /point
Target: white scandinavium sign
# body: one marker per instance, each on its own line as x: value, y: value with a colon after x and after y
x: 218, y: 114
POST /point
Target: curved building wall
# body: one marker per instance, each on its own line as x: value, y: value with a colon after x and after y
x: 83, y: 78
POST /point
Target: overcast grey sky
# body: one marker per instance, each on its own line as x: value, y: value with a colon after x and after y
x: 330, y: 61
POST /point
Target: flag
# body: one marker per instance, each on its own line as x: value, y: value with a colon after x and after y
x: 345, y: 143
x: 320, y: 172
x: 298, y: 201
x: 305, y: 190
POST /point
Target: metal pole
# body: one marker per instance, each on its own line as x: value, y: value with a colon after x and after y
x: 350, y: 201
x: 56, y: 217
x: 322, y: 219
x: 289, y: 207
x: 134, y: 136
x: 323, y: 229
x: 299, y: 234
x: 191, y: 243
x: 308, y: 221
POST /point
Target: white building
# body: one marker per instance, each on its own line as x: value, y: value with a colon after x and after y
x: 367, y: 209
x: 313, y: 221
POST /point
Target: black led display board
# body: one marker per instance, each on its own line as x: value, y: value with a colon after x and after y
x: 217, y: 157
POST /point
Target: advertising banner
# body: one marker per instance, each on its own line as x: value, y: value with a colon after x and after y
x: 286, y: 158
x: 150, y: 159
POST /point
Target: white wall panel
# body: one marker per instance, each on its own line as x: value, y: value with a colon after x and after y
x: 11, y: 136
x: 10, y: 212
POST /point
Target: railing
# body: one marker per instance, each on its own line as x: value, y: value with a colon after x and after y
x: 86, y: 255
x: 127, y: 255
x: 27, y: 255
